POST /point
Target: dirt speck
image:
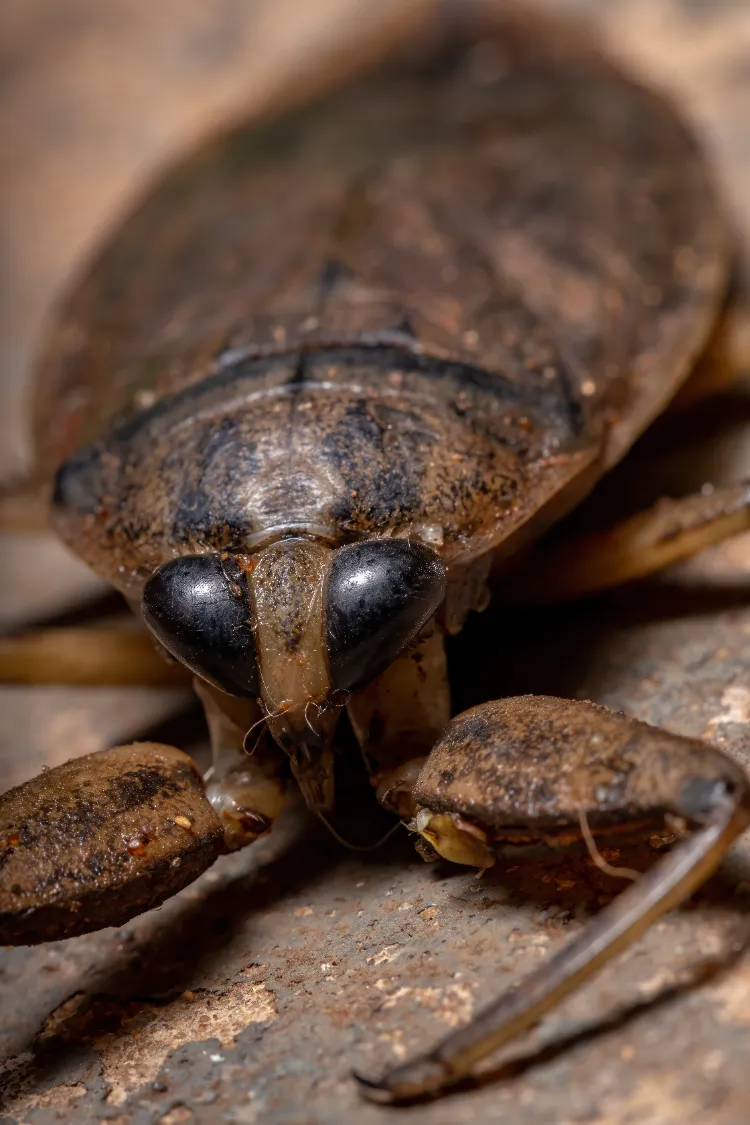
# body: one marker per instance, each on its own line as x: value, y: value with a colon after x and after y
x: 135, y: 1053
x: 383, y: 956
x: 178, y: 1115
x: 452, y: 1005
x: 735, y: 708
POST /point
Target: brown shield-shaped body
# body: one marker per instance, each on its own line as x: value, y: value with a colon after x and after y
x: 439, y: 301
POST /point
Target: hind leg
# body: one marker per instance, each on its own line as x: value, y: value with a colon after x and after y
x: 398, y: 718
x: 647, y: 542
x: 543, y: 768
x: 726, y: 359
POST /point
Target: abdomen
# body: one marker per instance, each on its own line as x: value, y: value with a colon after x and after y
x: 521, y: 238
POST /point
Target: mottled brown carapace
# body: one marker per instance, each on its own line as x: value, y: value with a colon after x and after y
x: 333, y: 372
x: 443, y: 299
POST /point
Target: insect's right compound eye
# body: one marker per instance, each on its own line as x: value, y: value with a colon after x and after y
x: 380, y: 595
x: 197, y: 606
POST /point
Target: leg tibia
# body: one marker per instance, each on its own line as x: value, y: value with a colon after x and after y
x: 726, y: 359
x: 398, y: 718
x: 246, y: 787
x: 535, y: 764
x: 24, y: 506
x: 647, y: 542
x: 121, y: 655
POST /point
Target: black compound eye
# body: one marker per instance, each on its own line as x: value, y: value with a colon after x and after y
x: 198, y: 607
x: 380, y: 594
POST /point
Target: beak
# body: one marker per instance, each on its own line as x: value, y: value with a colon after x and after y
x: 305, y: 733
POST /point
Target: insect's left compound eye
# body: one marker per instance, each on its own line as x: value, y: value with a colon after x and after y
x: 380, y: 594
x: 197, y: 606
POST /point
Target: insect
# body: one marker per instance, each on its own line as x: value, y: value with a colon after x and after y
x: 320, y: 394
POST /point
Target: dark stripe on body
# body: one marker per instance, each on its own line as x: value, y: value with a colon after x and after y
x: 559, y: 397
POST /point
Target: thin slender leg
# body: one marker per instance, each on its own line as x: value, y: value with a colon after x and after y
x: 247, y: 788
x: 398, y: 718
x: 84, y: 656
x: 647, y: 542
x: 667, y: 885
x: 24, y: 506
x: 537, y: 763
x: 725, y: 361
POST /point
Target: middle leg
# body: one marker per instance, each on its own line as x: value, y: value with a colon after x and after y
x: 537, y: 768
x: 248, y: 780
x: 398, y: 718
x: 641, y: 545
